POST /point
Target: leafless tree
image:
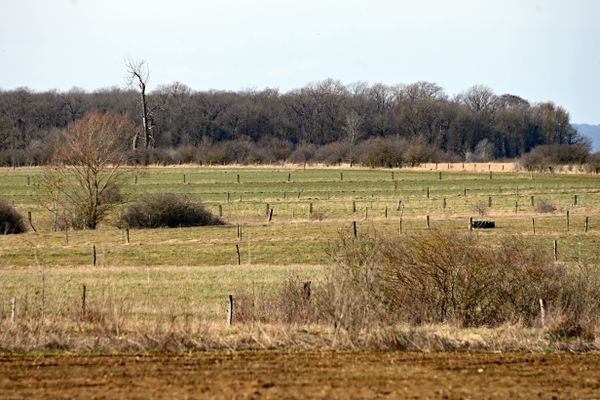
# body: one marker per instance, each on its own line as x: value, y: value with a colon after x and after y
x: 138, y: 75
x: 82, y: 185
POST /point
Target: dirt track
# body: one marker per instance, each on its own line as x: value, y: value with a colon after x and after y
x: 278, y: 375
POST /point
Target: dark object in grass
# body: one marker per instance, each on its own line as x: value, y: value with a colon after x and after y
x: 10, y: 220
x: 483, y: 224
x: 167, y: 210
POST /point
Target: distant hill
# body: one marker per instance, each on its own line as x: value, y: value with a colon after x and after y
x: 591, y: 131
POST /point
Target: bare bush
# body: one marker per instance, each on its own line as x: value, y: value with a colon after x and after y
x: 545, y: 157
x: 317, y: 216
x: 10, y: 220
x: 440, y: 277
x: 294, y: 302
x: 167, y: 210
x: 481, y: 208
x: 544, y: 206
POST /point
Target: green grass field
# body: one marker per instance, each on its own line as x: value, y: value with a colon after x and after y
x: 191, y: 270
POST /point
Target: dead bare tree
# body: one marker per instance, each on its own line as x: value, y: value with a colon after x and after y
x: 138, y: 75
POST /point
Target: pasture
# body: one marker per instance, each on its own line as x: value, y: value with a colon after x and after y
x: 189, y: 272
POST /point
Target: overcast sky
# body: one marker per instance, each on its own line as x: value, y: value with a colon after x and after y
x: 540, y: 50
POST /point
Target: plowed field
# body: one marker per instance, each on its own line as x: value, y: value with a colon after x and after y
x: 276, y: 375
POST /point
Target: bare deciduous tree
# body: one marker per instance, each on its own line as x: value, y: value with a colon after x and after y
x: 138, y: 75
x: 83, y: 183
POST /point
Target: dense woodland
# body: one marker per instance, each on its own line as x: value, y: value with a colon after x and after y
x: 322, y: 122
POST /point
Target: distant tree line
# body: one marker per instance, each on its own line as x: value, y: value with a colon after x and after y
x: 327, y: 121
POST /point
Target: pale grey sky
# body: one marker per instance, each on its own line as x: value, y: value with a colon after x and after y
x: 540, y: 50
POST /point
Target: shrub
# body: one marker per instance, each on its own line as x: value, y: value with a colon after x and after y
x: 481, y: 208
x: 294, y: 302
x: 439, y: 277
x: 593, y: 163
x: 544, y: 206
x: 317, y: 216
x: 543, y: 157
x: 10, y: 220
x: 167, y: 210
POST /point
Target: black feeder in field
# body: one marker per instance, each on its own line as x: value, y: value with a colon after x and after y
x: 482, y: 224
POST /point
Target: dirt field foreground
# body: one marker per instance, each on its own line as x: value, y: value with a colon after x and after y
x: 280, y: 375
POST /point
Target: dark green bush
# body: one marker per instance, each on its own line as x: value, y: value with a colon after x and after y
x: 167, y: 210
x: 10, y: 220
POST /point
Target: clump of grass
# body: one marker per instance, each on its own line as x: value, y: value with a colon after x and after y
x: 544, y: 206
x: 317, y: 216
x: 167, y: 210
x: 11, y: 222
x: 481, y: 208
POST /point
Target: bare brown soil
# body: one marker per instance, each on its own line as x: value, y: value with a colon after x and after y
x: 277, y: 374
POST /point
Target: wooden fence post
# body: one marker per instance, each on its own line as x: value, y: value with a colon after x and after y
x: 427, y: 191
x: 67, y: 235
x: 366, y: 213
x: 237, y: 252
x: 13, y: 309
x: 444, y: 203
x: 307, y: 290
x: 490, y: 201
x: 184, y: 181
x: 516, y: 207
x: 353, y: 206
x: 135, y: 179
x: 289, y: 176
x: 220, y: 210
x: 470, y: 223
x: 533, y: 224
x: 440, y: 177
x: 238, y: 178
x: 127, y: 235
x: 575, y: 200
x: 428, y: 224
x: 270, y: 214
x: 230, y: 311
x: 341, y: 176
x: 586, y: 224
x: 386, y: 212
x: 568, y: 221
x: 555, y: 250
x: 228, y: 197
x: 31, y: 221
x: 83, y: 299
x: 543, y: 310
x: 94, y: 255
x: 532, y: 201
x: 354, y: 231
